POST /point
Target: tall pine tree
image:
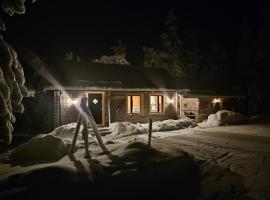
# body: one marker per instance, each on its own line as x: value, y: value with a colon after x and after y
x: 171, y: 54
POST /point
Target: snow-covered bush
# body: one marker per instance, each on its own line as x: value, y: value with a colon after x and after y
x: 170, y: 124
x: 12, y: 79
x: 120, y: 129
x: 224, y: 117
x: 40, y: 148
x: 127, y: 128
x: 65, y: 131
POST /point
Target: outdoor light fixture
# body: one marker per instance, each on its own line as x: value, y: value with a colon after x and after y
x: 71, y: 101
x: 171, y: 101
x: 74, y: 101
x: 216, y: 100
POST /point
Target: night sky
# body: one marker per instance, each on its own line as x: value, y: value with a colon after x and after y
x: 90, y: 28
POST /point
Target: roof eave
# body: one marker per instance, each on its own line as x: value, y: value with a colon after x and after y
x: 52, y: 88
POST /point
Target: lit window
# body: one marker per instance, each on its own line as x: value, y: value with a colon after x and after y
x: 134, y: 104
x: 156, y: 103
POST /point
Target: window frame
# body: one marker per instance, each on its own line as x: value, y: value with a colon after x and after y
x: 160, y: 111
x: 131, y: 104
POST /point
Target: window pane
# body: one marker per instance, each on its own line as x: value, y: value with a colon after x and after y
x: 154, y: 103
x: 160, y: 102
x: 136, y: 104
x: 129, y: 105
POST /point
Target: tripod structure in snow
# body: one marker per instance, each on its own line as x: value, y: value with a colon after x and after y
x: 85, y: 116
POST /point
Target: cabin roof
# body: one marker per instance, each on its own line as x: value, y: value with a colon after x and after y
x: 74, y: 75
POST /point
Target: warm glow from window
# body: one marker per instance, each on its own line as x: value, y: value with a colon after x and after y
x: 129, y: 104
x: 156, y: 102
x: 134, y: 104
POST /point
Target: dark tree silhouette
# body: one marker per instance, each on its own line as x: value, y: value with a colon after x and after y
x: 172, y: 54
x: 12, y: 79
x: 216, y: 63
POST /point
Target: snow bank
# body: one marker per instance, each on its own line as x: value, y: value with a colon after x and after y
x: 65, y: 131
x: 131, y: 168
x: 121, y: 129
x: 40, y: 148
x: 224, y: 117
x: 127, y: 128
x: 169, y: 125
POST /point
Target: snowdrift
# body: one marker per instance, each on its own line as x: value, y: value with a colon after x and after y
x: 56, y: 144
x: 65, y: 131
x: 131, y: 169
x: 224, y: 117
x: 40, y: 148
x: 122, y: 129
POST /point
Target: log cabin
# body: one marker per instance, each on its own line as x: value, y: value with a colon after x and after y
x: 131, y: 93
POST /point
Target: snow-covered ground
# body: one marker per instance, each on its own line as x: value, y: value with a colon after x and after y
x: 123, y: 129
x: 224, y: 117
x: 234, y: 161
x: 131, y: 169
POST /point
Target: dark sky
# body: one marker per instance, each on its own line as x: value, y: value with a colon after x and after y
x: 89, y: 28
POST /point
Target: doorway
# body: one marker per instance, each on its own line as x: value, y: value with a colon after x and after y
x: 95, y: 104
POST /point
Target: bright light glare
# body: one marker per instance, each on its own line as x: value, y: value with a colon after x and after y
x: 216, y: 100
x: 47, y: 75
x: 74, y: 101
x: 171, y: 101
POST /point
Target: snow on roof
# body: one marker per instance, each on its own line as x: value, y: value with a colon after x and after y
x: 74, y: 75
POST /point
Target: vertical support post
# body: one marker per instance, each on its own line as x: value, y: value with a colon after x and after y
x: 180, y: 104
x: 109, y: 108
x: 85, y: 134
x: 150, y: 133
x: 86, y: 115
x: 56, y: 109
x: 76, y: 134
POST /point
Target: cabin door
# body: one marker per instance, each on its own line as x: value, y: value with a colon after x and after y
x: 95, y: 105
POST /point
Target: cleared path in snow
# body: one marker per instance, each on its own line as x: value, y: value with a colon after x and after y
x: 235, y: 160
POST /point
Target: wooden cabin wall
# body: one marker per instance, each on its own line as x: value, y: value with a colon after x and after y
x: 235, y: 104
x: 117, y: 100
x: 119, y: 111
x: 118, y: 107
x: 67, y: 111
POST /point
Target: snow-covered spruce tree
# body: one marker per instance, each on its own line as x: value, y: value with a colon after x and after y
x: 12, y: 79
x: 172, y: 55
x: 172, y: 45
x: 118, y: 58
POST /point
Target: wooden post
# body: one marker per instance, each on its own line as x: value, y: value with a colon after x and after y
x: 56, y: 109
x: 93, y: 124
x: 150, y: 133
x: 76, y: 134
x: 85, y: 134
x: 86, y: 115
x: 109, y: 108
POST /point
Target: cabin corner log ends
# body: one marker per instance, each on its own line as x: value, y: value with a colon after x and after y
x: 85, y: 116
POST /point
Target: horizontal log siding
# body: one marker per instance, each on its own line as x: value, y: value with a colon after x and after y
x: 119, y: 107
x: 68, y: 112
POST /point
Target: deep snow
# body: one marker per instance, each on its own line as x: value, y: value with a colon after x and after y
x: 233, y: 164
x: 131, y: 169
x: 122, y: 129
x: 224, y: 117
